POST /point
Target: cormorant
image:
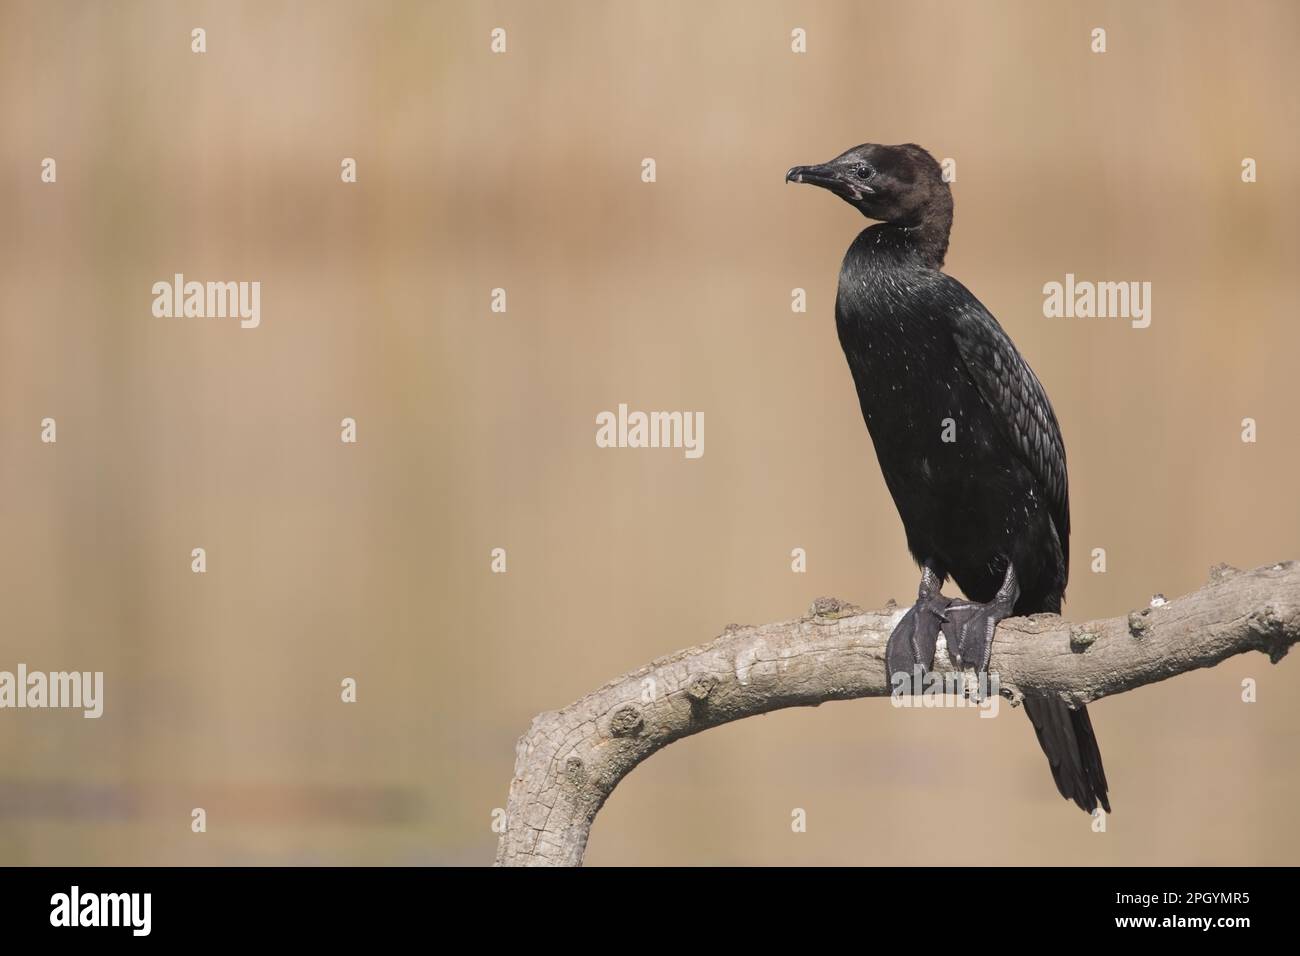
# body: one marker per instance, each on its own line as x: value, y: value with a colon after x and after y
x: 966, y: 438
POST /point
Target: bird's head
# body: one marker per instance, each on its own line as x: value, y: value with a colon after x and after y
x: 897, y: 184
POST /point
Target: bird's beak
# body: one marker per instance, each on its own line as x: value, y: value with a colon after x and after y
x: 823, y: 176
x: 827, y: 176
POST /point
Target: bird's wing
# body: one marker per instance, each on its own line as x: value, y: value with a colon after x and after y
x: 1011, y: 389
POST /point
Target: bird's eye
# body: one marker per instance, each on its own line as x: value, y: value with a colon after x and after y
x: 864, y: 172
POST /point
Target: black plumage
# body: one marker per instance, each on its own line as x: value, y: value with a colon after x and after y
x: 964, y: 432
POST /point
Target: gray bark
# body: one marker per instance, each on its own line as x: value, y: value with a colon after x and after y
x: 570, y: 760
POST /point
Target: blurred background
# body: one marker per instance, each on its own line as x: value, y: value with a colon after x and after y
x: 476, y: 429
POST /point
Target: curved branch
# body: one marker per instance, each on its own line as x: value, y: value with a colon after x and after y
x: 570, y: 760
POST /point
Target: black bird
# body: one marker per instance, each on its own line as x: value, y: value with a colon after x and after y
x: 966, y: 438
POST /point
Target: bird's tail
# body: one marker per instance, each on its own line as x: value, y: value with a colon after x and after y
x: 1066, y: 737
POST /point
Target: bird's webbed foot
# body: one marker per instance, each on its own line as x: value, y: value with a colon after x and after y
x: 970, y: 625
x: 909, y: 654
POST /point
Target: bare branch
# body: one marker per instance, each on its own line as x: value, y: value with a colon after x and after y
x: 570, y: 760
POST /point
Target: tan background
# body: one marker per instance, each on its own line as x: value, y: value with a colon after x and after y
x: 477, y: 430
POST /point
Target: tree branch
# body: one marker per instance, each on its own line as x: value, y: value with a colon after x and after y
x: 572, y: 759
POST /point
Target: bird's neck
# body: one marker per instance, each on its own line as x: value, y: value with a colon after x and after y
x: 927, y: 235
